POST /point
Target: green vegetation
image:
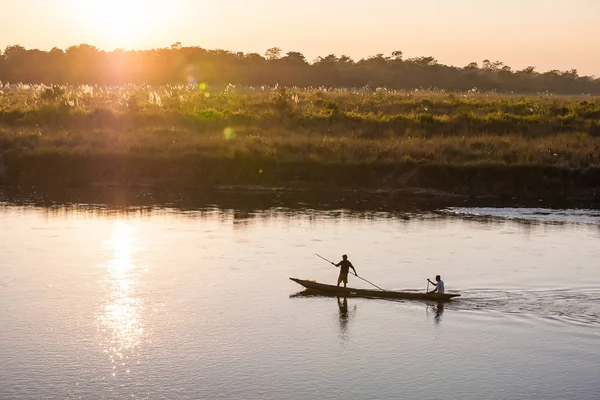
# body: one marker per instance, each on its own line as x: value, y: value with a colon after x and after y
x: 196, y: 135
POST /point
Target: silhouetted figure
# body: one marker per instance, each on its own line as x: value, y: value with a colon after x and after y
x: 345, y: 266
x: 439, y: 286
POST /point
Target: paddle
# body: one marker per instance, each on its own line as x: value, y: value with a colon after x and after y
x: 332, y: 263
x: 427, y: 291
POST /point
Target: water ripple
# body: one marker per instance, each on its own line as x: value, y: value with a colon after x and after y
x: 581, y: 307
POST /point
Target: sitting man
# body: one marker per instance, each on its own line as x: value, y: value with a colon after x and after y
x: 439, y: 286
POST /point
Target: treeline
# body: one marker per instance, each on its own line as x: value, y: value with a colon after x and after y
x: 85, y: 64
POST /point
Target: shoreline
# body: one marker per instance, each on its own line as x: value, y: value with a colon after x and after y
x: 123, y: 183
x: 468, y: 147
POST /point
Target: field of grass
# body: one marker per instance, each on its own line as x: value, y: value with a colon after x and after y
x: 239, y: 135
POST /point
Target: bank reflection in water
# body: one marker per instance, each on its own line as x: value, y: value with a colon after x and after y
x: 121, y: 320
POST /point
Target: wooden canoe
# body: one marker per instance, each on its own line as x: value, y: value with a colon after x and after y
x: 333, y: 290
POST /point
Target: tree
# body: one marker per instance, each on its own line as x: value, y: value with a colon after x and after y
x: 85, y: 64
x: 378, y: 56
x: 274, y: 53
x: 344, y: 59
x: 528, y: 70
x: 491, y: 66
x: 397, y: 55
x: 254, y: 57
x: 295, y: 56
x: 12, y: 51
x: 423, y: 61
x: 571, y: 73
x: 330, y: 59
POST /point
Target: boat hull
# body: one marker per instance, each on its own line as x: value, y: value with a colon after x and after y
x: 333, y: 290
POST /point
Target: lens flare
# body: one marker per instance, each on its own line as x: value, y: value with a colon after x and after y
x: 229, y: 133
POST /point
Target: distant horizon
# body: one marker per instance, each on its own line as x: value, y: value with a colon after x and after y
x: 308, y: 59
x: 547, y: 34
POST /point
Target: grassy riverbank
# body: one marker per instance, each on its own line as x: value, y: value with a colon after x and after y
x: 188, y: 137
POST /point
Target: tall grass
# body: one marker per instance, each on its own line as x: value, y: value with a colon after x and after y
x: 288, y: 124
x: 373, y: 114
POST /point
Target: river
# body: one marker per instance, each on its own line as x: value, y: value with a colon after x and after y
x: 182, y: 303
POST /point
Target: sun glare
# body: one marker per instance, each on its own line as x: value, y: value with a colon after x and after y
x: 121, y: 320
x: 124, y: 23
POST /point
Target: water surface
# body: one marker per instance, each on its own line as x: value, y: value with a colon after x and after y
x: 164, y: 303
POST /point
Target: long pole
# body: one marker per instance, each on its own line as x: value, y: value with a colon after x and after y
x: 332, y: 263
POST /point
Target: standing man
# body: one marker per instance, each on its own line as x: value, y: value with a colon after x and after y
x: 345, y: 266
x: 439, y: 286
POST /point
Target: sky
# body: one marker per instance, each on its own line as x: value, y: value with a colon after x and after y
x: 547, y: 34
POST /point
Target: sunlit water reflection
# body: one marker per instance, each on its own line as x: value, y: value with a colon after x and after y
x: 97, y: 303
x: 121, y: 320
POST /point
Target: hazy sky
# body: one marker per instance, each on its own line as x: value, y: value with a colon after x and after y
x: 549, y: 34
